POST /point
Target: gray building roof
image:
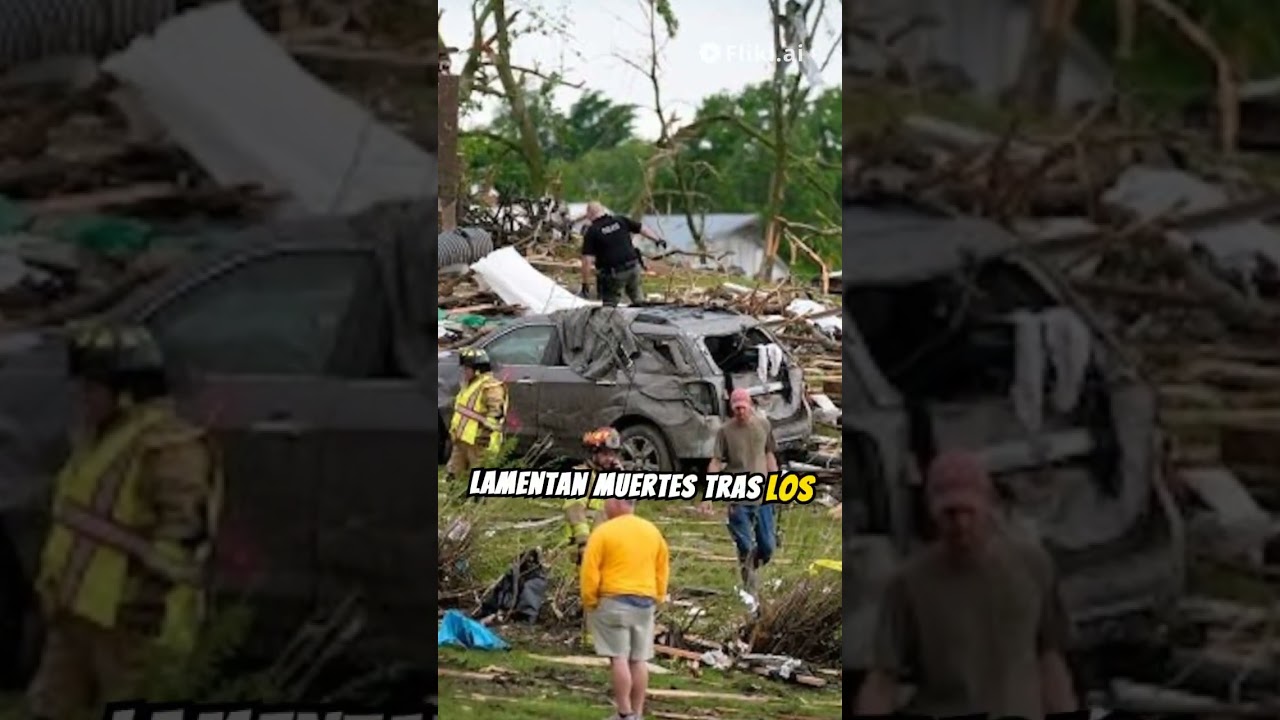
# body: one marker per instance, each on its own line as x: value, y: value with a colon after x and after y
x: 675, y: 228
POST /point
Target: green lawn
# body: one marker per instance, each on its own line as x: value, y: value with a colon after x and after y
x: 548, y: 674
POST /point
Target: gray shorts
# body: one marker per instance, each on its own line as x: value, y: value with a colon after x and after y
x: 622, y: 630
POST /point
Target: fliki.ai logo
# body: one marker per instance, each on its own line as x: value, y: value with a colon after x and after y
x: 259, y: 711
x: 712, y: 53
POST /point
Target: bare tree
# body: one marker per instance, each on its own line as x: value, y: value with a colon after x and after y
x: 670, y: 154
x: 793, y: 37
x: 1225, y: 70
x: 1046, y: 50
x: 490, y: 50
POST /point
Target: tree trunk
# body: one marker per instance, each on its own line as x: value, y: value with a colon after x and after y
x: 1046, y: 50
x: 530, y: 145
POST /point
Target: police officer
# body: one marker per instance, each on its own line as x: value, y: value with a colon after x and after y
x: 478, y: 413
x: 607, y: 242
x: 134, y: 514
x: 581, y: 514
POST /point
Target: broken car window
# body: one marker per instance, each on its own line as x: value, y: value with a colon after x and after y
x: 525, y: 346
x: 277, y: 315
x: 663, y: 355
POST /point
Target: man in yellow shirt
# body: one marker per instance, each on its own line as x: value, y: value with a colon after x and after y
x: 623, y: 578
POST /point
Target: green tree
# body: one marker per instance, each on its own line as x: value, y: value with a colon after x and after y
x: 726, y: 160
x: 593, y: 123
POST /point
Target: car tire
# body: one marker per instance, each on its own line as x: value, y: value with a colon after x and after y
x: 646, y: 443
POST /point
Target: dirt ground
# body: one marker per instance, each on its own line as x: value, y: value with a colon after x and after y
x: 549, y: 674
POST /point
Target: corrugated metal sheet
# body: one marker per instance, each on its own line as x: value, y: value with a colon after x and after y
x: 890, y: 247
x: 239, y: 104
x: 985, y: 38
x: 32, y: 30
x: 675, y: 228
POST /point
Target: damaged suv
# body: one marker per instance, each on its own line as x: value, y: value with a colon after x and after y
x: 953, y: 337
x: 660, y: 374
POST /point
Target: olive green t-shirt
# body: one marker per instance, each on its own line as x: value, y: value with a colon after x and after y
x: 742, y: 446
x: 972, y: 636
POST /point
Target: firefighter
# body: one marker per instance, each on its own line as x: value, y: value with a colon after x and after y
x: 135, y: 509
x: 478, y: 413
x: 581, y: 514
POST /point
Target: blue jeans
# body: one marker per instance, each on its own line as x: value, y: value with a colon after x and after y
x: 753, y: 528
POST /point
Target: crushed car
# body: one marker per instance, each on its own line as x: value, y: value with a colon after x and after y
x: 956, y: 336
x: 661, y: 374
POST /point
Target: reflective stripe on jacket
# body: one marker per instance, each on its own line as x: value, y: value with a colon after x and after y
x: 471, y: 412
x: 593, y: 506
x: 99, y: 530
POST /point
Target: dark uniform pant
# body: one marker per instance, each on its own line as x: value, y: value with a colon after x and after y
x: 614, y: 283
x: 85, y: 666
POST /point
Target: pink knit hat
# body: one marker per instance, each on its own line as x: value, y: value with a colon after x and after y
x: 740, y: 398
x: 958, y: 480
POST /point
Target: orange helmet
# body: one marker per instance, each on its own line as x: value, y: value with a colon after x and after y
x: 605, y: 438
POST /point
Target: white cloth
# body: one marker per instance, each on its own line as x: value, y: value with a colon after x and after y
x: 1057, y: 338
x: 768, y: 361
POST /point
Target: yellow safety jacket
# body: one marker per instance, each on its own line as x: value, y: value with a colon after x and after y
x: 470, y: 412
x: 594, y: 507
x: 84, y: 567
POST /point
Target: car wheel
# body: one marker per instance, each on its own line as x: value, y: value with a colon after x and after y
x: 644, y: 449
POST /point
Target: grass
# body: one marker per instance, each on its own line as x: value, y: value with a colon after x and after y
x: 525, y: 683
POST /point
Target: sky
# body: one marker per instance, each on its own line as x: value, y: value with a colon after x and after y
x: 720, y: 46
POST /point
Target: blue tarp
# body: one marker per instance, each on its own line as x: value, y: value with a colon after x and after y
x: 458, y: 630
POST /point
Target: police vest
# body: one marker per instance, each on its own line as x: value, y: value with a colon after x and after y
x: 96, y: 530
x: 470, y: 412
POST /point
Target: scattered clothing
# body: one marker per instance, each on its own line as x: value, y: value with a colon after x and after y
x: 521, y: 591
x: 458, y: 630
x: 768, y: 361
x: 1056, y: 338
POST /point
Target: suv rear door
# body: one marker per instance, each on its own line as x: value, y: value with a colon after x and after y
x: 376, y: 503
x: 254, y: 334
x: 519, y: 355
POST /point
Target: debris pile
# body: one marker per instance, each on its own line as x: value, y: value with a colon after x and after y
x: 1174, y: 264
x: 103, y: 163
x: 803, y: 622
x: 806, y: 322
x: 1179, y: 267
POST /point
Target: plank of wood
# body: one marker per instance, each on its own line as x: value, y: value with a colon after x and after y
x: 115, y: 197
x: 677, y: 652
x: 591, y: 661
x: 687, y: 694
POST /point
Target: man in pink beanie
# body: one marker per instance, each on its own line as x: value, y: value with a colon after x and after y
x: 975, y: 615
x: 745, y: 444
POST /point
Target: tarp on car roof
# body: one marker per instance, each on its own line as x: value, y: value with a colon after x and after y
x: 596, y: 342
